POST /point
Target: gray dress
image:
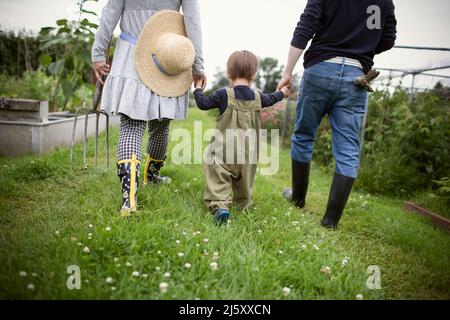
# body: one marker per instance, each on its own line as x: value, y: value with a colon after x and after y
x: 123, y: 91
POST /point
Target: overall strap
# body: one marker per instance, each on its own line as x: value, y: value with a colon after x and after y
x: 258, y: 100
x: 230, y: 93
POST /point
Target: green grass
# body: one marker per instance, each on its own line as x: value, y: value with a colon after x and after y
x: 260, y: 253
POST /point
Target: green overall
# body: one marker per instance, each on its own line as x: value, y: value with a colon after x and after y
x: 225, y: 172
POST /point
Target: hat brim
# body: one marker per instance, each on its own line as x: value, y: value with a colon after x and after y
x: 163, y: 85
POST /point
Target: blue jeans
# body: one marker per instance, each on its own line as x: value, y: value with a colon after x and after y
x: 328, y: 88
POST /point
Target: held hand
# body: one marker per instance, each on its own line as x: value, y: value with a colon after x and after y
x: 101, y: 70
x: 285, y: 81
x: 199, y: 81
x: 286, y: 91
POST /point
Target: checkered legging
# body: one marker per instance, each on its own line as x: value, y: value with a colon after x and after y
x: 131, y: 133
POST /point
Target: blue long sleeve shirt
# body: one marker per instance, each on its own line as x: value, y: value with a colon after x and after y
x: 346, y: 28
x: 219, y: 99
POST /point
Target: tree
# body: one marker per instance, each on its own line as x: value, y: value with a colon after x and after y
x: 269, y: 74
x: 220, y: 80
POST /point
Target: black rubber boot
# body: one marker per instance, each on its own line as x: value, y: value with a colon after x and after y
x: 339, y: 193
x: 300, y: 180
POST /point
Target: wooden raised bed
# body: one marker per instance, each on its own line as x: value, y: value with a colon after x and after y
x: 438, y: 220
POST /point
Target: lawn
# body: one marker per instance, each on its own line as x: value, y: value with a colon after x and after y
x: 51, y: 211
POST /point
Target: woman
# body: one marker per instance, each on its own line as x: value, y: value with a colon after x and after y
x: 126, y: 95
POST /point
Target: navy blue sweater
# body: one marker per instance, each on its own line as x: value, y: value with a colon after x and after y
x: 219, y: 99
x: 340, y: 28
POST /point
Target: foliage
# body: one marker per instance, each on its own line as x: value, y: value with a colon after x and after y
x: 39, y: 86
x: 31, y: 85
x: 45, y: 225
x: 67, y: 54
x: 19, y: 52
x: 269, y: 75
x: 407, y: 143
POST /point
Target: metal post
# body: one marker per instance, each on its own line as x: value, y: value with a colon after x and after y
x: 412, y: 86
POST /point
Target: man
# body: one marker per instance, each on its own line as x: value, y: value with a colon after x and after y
x: 346, y: 34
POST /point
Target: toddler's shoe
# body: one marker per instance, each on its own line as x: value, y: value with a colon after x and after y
x: 221, y: 216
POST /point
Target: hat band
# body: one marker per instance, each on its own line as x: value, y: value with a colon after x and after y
x: 160, y: 67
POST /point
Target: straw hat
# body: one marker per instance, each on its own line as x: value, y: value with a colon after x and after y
x: 164, y: 55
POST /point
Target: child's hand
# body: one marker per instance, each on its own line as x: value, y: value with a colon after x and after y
x: 286, y: 91
x: 199, y: 81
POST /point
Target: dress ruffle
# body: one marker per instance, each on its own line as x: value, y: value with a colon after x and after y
x: 133, y: 98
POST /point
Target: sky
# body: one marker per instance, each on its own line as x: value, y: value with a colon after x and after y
x: 265, y: 27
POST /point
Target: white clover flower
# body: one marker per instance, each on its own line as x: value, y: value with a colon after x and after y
x: 167, y: 275
x: 86, y: 250
x: 213, y: 266
x: 315, y: 247
x: 115, y: 259
x: 91, y: 226
x: 108, y: 228
x: 57, y: 232
x: 206, y: 240
x: 113, y: 288
x: 187, y: 265
x: 359, y: 296
x: 181, y: 254
x: 145, y: 276
x: 30, y: 286
x: 344, y: 262
x: 89, y: 234
x: 157, y: 268
x: 159, y: 252
x: 184, y: 233
x: 280, y: 251
x: 23, y: 273
x: 215, y: 256
x: 163, y: 286
x: 197, y: 245
x: 109, y: 280
x: 79, y: 244
x: 89, y: 238
x: 128, y: 264
x: 286, y: 291
x: 295, y: 223
x: 135, y: 274
x: 325, y: 269
x: 259, y: 231
x: 303, y: 246
x: 177, y: 241
x: 197, y: 232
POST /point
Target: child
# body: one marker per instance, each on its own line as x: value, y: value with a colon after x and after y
x: 239, y: 108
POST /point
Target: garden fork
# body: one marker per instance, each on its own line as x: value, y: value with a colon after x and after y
x: 86, y: 111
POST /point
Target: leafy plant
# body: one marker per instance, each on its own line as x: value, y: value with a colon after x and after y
x: 67, y: 54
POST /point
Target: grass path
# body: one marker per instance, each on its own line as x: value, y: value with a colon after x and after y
x: 47, y: 207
